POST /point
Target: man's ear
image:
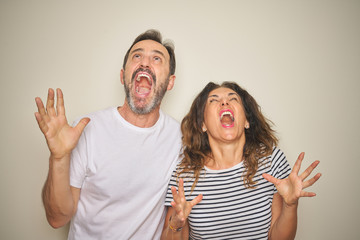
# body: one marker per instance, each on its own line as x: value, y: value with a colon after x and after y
x: 171, y: 82
x: 122, y: 76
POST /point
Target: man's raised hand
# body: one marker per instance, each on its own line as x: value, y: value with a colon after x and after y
x: 61, y: 138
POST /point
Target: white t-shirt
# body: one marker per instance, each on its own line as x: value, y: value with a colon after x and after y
x: 123, y: 172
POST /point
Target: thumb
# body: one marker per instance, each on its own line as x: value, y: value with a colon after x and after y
x: 196, y: 200
x: 82, y: 124
x: 270, y: 178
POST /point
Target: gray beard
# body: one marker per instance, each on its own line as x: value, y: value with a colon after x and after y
x: 154, y: 103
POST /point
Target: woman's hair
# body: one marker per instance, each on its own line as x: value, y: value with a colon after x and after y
x: 260, y: 138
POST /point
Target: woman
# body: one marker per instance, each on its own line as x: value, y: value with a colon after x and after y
x: 233, y: 182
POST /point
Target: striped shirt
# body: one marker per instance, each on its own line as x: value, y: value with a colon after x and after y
x: 229, y: 210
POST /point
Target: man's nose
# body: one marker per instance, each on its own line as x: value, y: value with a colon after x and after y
x: 145, y: 62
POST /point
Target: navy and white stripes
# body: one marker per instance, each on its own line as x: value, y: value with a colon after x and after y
x: 229, y: 210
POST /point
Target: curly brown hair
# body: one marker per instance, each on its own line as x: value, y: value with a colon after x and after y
x: 260, y: 137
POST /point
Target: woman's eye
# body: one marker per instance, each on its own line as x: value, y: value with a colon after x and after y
x: 213, y: 100
x: 234, y: 99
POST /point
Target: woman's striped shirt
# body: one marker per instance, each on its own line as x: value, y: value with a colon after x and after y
x: 229, y: 210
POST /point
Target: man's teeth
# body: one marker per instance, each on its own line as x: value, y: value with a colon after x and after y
x: 227, y: 113
x: 143, y: 75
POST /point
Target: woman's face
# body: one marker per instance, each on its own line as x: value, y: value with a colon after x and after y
x: 224, y: 116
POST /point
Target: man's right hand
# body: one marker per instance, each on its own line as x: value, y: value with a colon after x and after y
x: 61, y: 138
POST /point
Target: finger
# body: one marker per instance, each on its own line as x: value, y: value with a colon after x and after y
x: 42, y: 125
x: 175, y: 194
x: 196, y: 200
x: 181, y: 188
x: 270, y: 178
x: 60, y: 102
x: 50, y: 103
x: 311, y: 181
x: 297, y: 165
x: 41, y: 108
x: 309, y: 170
x: 178, y: 211
x: 307, y: 194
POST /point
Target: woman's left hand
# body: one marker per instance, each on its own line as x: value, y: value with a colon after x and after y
x: 292, y: 188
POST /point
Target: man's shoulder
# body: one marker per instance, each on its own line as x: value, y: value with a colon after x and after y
x: 169, y: 119
x: 99, y: 115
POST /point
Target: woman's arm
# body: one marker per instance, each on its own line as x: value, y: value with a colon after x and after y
x: 170, y: 232
x: 285, y: 202
x: 176, y: 224
x: 284, y: 219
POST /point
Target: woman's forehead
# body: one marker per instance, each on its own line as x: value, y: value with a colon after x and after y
x: 221, y: 91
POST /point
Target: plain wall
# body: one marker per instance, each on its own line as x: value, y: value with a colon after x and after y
x: 299, y: 59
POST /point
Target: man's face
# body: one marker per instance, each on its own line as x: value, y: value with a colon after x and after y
x: 146, y: 76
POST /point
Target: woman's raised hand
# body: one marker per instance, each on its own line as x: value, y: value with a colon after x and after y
x: 181, y: 206
x: 292, y: 188
x: 61, y: 138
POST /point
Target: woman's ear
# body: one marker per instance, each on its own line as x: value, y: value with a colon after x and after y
x: 204, y: 129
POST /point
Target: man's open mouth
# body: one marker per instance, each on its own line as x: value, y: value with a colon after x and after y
x: 143, y: 82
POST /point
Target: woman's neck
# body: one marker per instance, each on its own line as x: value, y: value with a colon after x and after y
x: 225, y: 155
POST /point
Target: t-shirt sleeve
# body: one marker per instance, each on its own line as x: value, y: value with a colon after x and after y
x: 280, y: 167
x: 172, y: 183
x: 78, y: 162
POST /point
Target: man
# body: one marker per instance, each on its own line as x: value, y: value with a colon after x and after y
x: 110, y: 178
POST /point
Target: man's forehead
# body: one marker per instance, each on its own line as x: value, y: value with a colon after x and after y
x: 151, y: 46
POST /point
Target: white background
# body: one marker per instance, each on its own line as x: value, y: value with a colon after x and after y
x: 299, y: 59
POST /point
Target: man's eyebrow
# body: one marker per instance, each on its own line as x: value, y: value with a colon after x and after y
x: 137, y: 50
x: 159, y: 52
x: 233, y: 93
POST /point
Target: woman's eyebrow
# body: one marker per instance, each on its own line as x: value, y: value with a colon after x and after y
x: 214, y: 95
x: 233, y: 93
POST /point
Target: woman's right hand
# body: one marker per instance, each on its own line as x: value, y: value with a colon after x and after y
x: 61, y: 138
x: 181, y: 206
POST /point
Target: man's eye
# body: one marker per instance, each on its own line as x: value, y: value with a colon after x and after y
x: 157, y: 59
x: 136, y: 56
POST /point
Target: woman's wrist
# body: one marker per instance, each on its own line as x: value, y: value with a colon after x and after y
x: 173, y: 228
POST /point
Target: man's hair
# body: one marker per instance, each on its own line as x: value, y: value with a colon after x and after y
x: 155, y: 35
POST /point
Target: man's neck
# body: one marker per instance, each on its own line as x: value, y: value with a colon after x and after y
x: 139, y: 120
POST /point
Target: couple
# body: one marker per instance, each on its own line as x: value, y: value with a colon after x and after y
x: 109, y: 173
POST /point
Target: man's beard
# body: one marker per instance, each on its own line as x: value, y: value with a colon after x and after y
x: 154, y: 101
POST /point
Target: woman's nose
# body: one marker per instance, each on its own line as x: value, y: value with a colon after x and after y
x: 224, y: 102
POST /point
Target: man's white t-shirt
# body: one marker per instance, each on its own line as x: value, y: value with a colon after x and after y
x: 123, y: 172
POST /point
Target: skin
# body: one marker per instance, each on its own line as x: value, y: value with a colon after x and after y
x: 59, y: 198
x: 227, y: 146
x: 153, y: 56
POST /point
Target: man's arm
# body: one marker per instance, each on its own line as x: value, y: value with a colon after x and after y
x: 59, y: 198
